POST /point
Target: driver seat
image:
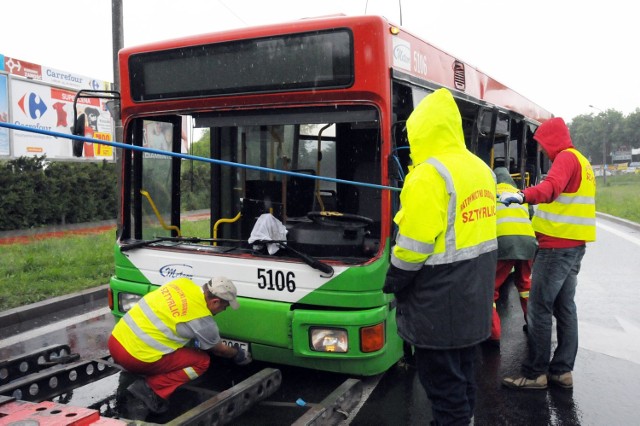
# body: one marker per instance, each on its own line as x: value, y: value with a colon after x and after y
x: 300, y: 193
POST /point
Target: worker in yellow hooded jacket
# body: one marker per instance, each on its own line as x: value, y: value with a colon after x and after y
x: 443, y: 264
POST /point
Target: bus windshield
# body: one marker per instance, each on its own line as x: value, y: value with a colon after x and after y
x: 322, y: 217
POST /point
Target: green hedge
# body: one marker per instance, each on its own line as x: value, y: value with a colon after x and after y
x: 35, y: 192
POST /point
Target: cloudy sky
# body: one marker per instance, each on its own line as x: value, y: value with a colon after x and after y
x: 562, y: 54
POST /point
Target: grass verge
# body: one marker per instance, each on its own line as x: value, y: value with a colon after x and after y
x: 45, y: 268
x: 620, y: 196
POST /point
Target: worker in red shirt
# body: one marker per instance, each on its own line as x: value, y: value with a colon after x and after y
x: 564, y: 221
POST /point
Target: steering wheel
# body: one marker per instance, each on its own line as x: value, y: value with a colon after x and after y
x: 345, y: 220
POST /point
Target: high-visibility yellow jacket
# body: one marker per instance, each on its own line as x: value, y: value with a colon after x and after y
x: 148, y: 330
x: 516, y: 238
x: 446, y: 233
x: 572, y: 215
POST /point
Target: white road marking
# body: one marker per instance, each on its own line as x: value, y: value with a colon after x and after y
x: 620, y: 234
x: 47, y: 329
x: 621, y: 343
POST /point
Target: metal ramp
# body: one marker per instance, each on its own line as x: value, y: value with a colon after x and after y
x: 30, y: 381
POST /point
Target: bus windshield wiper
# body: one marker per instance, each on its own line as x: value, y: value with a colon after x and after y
x: 314, y: 263
x: 139, y: 244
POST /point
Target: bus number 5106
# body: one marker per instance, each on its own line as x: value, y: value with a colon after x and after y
x: 276, y: 280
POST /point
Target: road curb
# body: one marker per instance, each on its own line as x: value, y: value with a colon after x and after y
x: 619, y: 220
x: 93, y: 298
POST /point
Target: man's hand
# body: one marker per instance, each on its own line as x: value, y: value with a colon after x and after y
x: 242, y: 357
x: 398, y: 279
x: 507, y: 198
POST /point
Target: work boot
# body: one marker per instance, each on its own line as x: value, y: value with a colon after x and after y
x: 141, y: 390
x: 564, y: 380
x: 539, y: 382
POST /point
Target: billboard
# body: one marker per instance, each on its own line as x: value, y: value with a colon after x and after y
x: 4, y: 116
x: 38, y: 97
x: 46, y: 107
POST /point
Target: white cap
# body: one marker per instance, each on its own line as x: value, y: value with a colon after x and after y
x: 223, y: 288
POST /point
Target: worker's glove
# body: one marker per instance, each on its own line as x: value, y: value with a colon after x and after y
x: 507, y: 198
x: 242, y: 357
x: 397, y: 280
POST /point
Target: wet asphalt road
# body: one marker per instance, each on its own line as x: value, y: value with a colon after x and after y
x: 607, y: 369
x: 606, y: 376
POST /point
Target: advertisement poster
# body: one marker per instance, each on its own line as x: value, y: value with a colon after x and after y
x: 41, y: 106
x: 40, y: 97
x: 4, y: 116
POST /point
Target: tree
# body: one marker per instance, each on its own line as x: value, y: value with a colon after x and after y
x: 603, y: 133
x: 196, y: 176
x: 631, y: 129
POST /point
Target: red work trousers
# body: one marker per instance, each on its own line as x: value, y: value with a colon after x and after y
x: 522, y: 281
x: 166, y: 374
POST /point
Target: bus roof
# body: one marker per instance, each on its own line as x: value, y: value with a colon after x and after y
x: 409, y: 58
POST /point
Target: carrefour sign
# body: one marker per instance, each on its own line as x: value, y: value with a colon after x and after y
x: 52, y: 76
x: 44, y: 107
x: 39, y: 97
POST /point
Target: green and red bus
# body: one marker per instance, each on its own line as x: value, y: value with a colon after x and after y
x: 296, y: 176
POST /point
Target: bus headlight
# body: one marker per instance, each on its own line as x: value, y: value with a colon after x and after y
x: 127, y: 300
x: 329, y: 339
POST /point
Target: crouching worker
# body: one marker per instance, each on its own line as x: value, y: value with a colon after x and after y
x: 517, y: 247
x: 151, y: 339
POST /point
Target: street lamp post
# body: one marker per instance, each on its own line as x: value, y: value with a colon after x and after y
x: 604, y: 151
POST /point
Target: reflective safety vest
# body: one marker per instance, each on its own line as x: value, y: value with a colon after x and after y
x: 571, y: 216
x: 514, y: 218
x: 469, y: 225
x: 148, y: 330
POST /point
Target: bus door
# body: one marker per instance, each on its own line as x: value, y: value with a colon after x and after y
x: 154, y: 179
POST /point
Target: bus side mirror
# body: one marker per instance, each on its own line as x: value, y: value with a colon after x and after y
x: 78, y: 130
x: 78, y: 126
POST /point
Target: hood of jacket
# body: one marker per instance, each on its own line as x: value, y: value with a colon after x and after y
x: 554, y: 136
x: 435, y: 127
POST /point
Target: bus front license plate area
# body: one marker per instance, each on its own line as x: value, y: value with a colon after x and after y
x: 236, y: 343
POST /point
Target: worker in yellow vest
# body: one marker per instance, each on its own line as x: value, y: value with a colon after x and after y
x: 564, y: 221
x: 443, y: 264
x: 517, y: 247
x: 168, y: 335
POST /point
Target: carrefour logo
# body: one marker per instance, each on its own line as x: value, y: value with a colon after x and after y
x: 32, y: 105
x: 401, y: 54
